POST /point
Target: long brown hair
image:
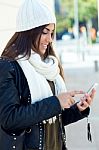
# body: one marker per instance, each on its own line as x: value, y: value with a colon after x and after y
x: 21, y: 44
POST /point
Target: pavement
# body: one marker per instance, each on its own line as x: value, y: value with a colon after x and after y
x: 80, y: 76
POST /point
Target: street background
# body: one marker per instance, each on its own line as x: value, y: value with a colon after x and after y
x: 80, y: 75
x: 83, y: 77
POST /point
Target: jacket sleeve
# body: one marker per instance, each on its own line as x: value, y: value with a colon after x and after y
x: 73, y: 114
x: 15, y: 116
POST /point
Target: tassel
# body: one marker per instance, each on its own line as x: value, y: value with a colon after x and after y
x: 50, y: 121
x: 89, y: 131
x: 54, y: 119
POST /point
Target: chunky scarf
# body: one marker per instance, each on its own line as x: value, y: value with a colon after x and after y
x: 37, y: 73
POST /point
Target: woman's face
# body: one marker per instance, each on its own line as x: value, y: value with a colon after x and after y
x: 46, y: 38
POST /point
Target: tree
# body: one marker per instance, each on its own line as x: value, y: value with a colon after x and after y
x: 87, y: 10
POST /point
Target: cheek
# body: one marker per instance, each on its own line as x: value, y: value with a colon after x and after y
x: 43, y: 37
x: 41, y: 42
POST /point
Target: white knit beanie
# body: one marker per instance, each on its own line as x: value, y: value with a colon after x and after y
x: 33, y: 13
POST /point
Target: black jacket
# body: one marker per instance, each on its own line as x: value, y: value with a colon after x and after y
x: 19, y: 119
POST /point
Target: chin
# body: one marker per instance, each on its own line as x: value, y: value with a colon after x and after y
x: 43, y: 52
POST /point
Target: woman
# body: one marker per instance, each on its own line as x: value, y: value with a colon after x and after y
x: 34, y: 104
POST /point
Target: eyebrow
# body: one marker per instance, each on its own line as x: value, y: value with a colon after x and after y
x: 49, y: 29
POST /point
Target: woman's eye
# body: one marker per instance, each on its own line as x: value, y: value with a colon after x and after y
x: 44, y: 32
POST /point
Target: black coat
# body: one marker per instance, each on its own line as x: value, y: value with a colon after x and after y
x: 18, y: 116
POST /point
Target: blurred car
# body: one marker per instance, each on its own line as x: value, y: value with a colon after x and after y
x: 66, y: 36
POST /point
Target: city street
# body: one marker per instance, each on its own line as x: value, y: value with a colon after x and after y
x: 81, y: 77
x: 75, y: 50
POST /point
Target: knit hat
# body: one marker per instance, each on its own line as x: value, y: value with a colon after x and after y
x: 33, y: 13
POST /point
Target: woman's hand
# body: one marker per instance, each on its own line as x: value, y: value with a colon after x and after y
x: 66, y: 99
x: 86, y: 101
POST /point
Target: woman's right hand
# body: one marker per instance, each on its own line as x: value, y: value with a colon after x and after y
x: 66, y: 99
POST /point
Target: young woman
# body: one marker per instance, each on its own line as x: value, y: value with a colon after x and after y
x: 34, y: 103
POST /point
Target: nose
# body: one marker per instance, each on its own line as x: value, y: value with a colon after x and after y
x: 49, y: 38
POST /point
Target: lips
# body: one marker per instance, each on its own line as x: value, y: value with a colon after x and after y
x: 44, y: 46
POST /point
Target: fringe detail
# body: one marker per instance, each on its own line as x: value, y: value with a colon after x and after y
x: 51, y: 120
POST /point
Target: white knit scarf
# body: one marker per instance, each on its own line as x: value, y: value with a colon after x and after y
x: 37, y: 72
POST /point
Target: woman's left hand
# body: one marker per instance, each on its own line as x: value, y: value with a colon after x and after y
x: 86, y: 101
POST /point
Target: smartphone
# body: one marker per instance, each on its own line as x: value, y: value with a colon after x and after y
x: 94, y: 86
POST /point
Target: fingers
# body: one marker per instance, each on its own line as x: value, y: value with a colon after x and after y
x: 89, y: 98
x: 65, y: 100
x: 70, y: 101
x: 82, y: 105
x: 93, y: 93
x: 86, y: 101
x: 75, y: 92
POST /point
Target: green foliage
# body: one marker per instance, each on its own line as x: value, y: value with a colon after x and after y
x: 62, y: 23
x: 87, y: 9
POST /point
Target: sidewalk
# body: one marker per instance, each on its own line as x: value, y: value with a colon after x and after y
x: 81, y: 77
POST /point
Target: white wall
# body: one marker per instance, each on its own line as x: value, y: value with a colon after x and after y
x: 8, y: 10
